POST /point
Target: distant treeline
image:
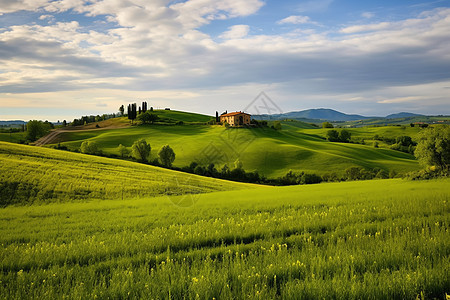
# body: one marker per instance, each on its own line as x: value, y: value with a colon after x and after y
x: 90, y: 119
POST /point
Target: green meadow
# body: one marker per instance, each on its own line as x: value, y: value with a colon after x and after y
x: 272, y: 153
x: 31, y: 174
x: 171, y: 116
x: 14, y: 137
x: 379, y: 239
x: 367, y: 133
x: 85, y: 227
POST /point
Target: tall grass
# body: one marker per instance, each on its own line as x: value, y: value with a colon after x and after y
x: 37, y: 175
x: 383, y: 239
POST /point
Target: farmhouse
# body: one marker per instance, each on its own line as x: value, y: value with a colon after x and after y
x: 237, y: 118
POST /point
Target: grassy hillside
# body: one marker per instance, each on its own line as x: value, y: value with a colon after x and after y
x: 14, y: 137
x: 272, y: 153
x: 34, y: 174
x: 368, y: 133
x: 384, y: 239
x: 110, y: 123
x: 399, y: 121
x: 173, y: 115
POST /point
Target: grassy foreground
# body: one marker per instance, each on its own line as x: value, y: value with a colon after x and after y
x: 380, y: 239
x: 35, y: 175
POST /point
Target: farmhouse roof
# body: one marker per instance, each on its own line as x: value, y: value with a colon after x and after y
x: 234, y: 114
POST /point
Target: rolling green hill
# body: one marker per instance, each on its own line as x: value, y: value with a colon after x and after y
x: 270, y: 152
x: 34, y: 174
x: 15, y: 137
x: 369, y: 132
x: 172, y: 116
x: 398, y: 121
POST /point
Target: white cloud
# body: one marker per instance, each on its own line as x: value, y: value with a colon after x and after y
x: 235, y: 32
x: 295, y: 20
x: 403, y: 99
x: 8, y: 6
x: 43, y: 17
x: 368, y: 27
x: 367, y: 15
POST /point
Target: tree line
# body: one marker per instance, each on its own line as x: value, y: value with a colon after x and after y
x: 141, y: 113
x: 84, y: 120
x: 140, y: 151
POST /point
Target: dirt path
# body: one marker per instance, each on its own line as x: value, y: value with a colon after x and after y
x: 48, y: 138
x: 53, y: 135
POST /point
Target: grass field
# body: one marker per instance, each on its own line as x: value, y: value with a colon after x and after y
x: 399, y: 121
x: 174, y: 115
x: 367, y: 133
x: 272, y: 153
x: 14, y: 137
x: 379, y: 239
x: 33, y: 174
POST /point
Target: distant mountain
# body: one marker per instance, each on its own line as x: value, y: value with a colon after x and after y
x: 315, y: 114
x: 403, y: 115
x: 14, y: 122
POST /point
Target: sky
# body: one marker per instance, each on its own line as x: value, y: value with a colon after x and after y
x: 61, y: 59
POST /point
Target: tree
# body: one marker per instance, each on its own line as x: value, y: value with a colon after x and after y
x: 141, y: 150
x: 333, y: 135
x: 277, y: 125
x: 144, y: 107
x: 238, y: 164
x: 123, y: 151
x: 132, y: 113
x: 64, y: 123
x: 211, y: 170
x: 35, y: 130
x: 166, y: 156
x: 404, y: 140
x: 217, y: 117
x: 433, y: 148
x: 89, y: 147
x: 192, y: 166
x: 199, y: 170
x: 353, y: 173
x: 327, y: 125
x: 238, y: 174
x: 148, y: 117
x: 344, y: 135
x: 225, y: 171
x: 122, y: 110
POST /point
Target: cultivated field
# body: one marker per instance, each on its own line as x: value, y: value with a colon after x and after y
x: 380, y: 239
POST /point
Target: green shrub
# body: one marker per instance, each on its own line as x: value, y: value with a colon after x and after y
x: 89, y: 147
x: 141, y: 150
